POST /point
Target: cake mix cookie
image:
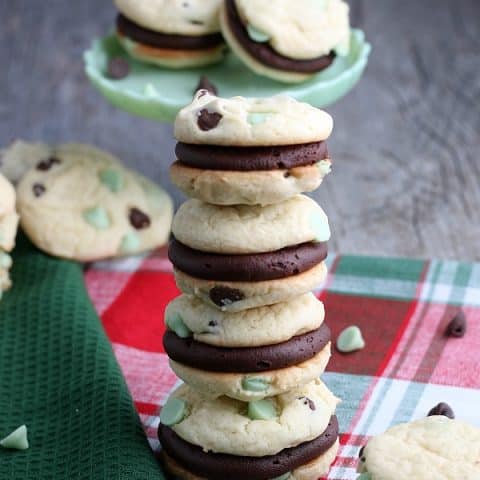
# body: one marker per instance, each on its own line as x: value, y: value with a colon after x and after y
x: 227, y: 438
x: 434, y: 447
x: 242, y: 229
x: 250, y: 151
x: 284, y: 40
x: 8, y: 230
x: 264, y: 380
x: 171, y: 33
x: 190, y: 317
x: 82, y: 204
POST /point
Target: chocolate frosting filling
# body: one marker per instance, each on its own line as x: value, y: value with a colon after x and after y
x: 264, y: 53
x: 246, y: 359
x: 211, y: 157
x: 219, y: 466
x: 166, y: 40
x: 255, y: 267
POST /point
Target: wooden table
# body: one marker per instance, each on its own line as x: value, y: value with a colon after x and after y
x: 406, y: 144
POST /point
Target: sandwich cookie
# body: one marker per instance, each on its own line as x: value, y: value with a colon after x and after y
x: 284, y: 40
x: 171, y: 33
x: 8, y: 230
x: 434, y: 447
x: 228, y: 267
x: 189, y: 317
x: 250, y: 151
x: 294, y: 435
x: 81, y: 203
x: 247, y: 355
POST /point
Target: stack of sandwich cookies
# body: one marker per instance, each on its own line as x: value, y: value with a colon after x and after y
x: 171, y: 33
x: 8, y: 230
x: 247, y: 335
x: 284, y: 40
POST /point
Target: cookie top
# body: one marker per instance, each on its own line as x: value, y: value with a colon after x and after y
x: 434, y: 447
x: 300, y: 416
x: 229, y: 230
x: 21, y: 156
x: 181, y: 17
x: 81, y: 203
x: 243, y: 122
x: 249, y: 328
x: 302, y: 30
x: 7, y: 197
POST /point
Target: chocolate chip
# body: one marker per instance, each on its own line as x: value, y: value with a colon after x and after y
x: 360, y: 453
x: 208, y: 120
x: 442, y: 409
x: 286, y: 174
x: 309, y: 402
x: 38, y: 189
x: 47, y: 164
x: 206, y: 84
x: 138, y: 219
x: 222, y: 296
x: 196, y: 22
x: 212, y: 323
x: 118, y: 68
x: 457, y: 326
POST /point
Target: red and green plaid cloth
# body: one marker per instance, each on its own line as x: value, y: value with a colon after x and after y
x: 401, y: 305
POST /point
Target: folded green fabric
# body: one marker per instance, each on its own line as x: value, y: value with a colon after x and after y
x: 58, y: 375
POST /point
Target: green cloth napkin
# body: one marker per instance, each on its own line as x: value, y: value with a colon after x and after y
x: 58, y: 375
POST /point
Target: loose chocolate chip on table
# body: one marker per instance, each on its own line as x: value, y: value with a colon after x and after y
x: 457, y: 326
x: 138, y: 219
x: 309, y: 402
x: 47, y: 164
x: 38, y: 189
x: 361, y: 452
x: 442, y: 409
x: 118, y: 68
x: 206, y: 84
x: 208, y: 120
x: 222, y: 296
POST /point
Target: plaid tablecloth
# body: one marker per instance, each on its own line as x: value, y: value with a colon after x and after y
x: 401, y: 305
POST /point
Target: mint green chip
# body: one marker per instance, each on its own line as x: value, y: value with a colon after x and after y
x: 16, y: 440
x: 97, y: 217
x: 320, y: 227
x: 365, y: 476
x: 253, y: 384
x: 324, y: 166
x: 350, y: 339
x: 285, y: 476
x: 175, y: 322
x: 130, y: 243
x: 173, y: 412
x: 112, y: 179
x: 262, y: 410
x: 256, y: 118
x: 257, y: 35
x: 5, y: 260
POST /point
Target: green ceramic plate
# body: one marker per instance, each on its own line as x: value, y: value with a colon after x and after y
x: 159, y: 93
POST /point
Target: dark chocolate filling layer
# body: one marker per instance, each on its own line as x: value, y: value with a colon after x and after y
x: 256, y: 267
x: 247, y: 159
x: 264, y: 53
x: 246, y: 359
x: 165, y: 40
x: 219, y: 466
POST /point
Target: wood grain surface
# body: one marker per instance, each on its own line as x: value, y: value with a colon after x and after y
x: 406, y: 144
